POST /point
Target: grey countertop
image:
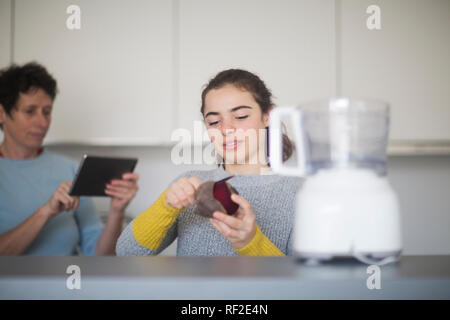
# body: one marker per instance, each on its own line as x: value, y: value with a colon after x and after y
x: 413, y: 277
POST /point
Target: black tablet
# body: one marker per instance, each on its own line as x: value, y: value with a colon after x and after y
x: 95, y: 172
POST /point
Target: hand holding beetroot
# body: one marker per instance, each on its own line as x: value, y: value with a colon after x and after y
x: 215, y: 196
x: 228, y: 212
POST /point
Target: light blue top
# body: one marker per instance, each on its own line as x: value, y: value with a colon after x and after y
x: 25, y: 185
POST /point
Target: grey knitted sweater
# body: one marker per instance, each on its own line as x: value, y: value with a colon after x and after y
x: 271, y: 196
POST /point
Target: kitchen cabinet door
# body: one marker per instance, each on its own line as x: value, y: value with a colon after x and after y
x: 5, y: 33
x: 290, y: 44
x: 405, y: 62
x: 114, y: 74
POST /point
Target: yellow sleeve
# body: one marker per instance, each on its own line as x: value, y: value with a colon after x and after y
x: 151, y: 226
x: 260, y: 245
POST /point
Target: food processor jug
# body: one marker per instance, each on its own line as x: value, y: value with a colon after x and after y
x: 346, y: 206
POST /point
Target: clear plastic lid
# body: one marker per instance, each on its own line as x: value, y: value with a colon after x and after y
x: 342, y: 132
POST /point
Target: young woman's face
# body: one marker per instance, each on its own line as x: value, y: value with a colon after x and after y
x: 236, y: 125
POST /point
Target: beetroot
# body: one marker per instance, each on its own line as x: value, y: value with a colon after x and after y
x: 215, y: 196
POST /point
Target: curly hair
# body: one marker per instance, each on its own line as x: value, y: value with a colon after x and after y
x: 20, y: 79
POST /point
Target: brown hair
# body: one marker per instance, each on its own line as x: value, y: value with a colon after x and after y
x: 253, y: 84
x: 20, y: 79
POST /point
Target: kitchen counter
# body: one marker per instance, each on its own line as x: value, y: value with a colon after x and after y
x: 413, y: 277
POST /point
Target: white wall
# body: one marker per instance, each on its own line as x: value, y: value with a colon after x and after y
x: 5, y: 34
x: 422, y: 184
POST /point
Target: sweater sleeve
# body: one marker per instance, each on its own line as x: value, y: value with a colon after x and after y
x: 260, y: 245
x: 150, y: 232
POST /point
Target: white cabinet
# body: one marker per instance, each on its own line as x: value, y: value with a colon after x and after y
x: 289, y: 44
x: 115, y: 74
x: 5, y: 33
x: 134, y: 72
x: 5, y: 37
x: 406, y: 63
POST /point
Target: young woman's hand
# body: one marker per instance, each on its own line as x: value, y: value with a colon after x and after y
x: 61, y: 201
x: 239, y: 229
x: 122, y: 191
x: 181, y: 193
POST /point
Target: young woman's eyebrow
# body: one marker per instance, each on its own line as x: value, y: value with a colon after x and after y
x: 213, y: 113
x: 28, y: 106
x: 240, y: 107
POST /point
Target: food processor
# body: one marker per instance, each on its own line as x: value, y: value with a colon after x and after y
x: 346, y: 206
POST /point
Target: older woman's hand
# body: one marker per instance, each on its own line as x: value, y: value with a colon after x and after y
x: 239, y: 229
x: 122, y: 191
x: 61, y: 201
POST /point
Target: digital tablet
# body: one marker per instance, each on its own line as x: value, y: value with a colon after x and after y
x: 95, y: 172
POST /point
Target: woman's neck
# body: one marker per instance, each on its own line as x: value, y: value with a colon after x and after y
x: 247, y: 168
x: 10, y: 151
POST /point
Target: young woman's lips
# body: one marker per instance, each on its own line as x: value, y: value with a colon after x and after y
x: 37, y: 135
x: 231, y: 145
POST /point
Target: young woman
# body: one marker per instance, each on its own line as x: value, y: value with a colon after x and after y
x: 37, y: 215
x: 234, y: 102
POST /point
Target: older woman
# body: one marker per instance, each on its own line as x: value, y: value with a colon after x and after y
x: 37, y: 215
